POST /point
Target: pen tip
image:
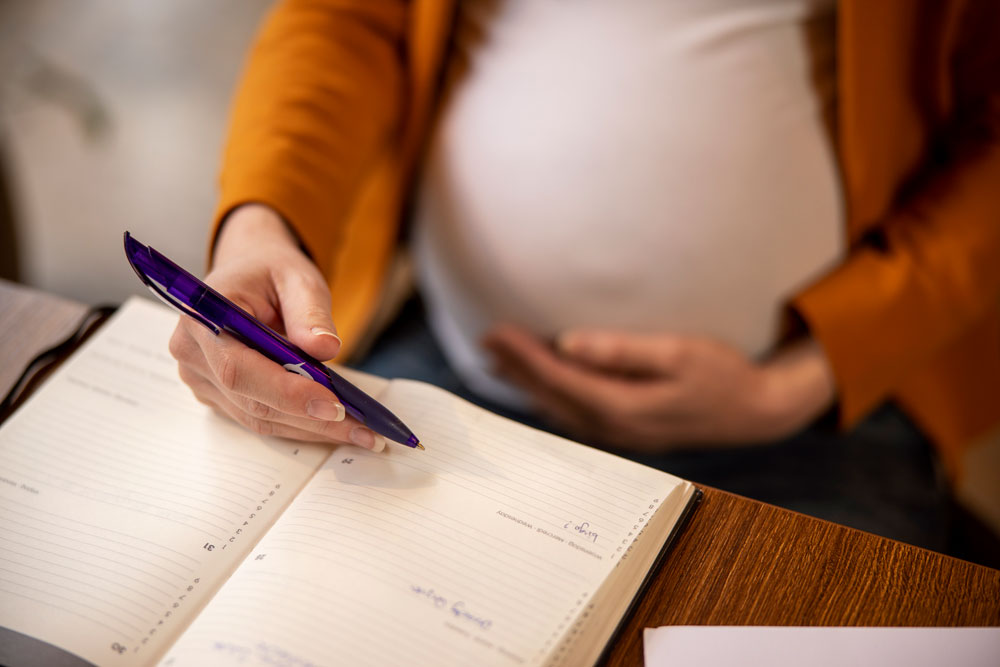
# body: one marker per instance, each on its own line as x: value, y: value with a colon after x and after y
x: 419, y: 446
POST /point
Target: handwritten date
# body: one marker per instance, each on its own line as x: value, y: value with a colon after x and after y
x: 583, y: 529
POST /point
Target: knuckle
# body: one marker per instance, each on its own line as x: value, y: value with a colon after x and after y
x: 180, y: 344
x: 316, y: 313
x: 311, y: 281
x: 290, y: 388
x: 227, y: 371
x: 673, y: 357
x: 616, y: 350
x: 204, y: 400
x: 683, y: 353
x: 259, y: 426
x: 257, y: 409
x: 219, y: 412
x: 188, y: 377
x: 332, y: 430
x: 285, y: 398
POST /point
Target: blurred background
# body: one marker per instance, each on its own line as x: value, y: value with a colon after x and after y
x: 112, y: 117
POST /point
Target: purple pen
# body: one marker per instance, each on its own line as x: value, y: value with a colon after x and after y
x: 183, y: 291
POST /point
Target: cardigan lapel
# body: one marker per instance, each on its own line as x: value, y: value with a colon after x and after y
x: 893, y: 82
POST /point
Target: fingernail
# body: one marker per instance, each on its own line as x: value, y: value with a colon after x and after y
x: 328, y: 410
x: 321, y: 331
x: 363, y: 437
x: 379, y: 443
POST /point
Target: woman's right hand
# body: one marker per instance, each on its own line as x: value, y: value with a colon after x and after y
x: 259, y: 265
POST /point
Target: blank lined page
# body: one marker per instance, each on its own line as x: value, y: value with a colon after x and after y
x: 124, y: 502
x: 483, y: 549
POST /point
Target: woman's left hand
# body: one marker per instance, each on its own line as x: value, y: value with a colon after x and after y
x: 656, y: 392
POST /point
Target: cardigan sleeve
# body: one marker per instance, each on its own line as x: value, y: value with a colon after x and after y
x: 322, y: 91
x: 931, y: 269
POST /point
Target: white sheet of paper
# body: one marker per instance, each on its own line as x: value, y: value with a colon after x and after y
x: 753, y: 646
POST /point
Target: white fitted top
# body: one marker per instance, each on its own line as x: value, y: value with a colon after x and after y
x: 651, y: 165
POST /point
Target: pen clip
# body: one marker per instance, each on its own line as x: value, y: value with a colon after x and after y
x: 146, y: 261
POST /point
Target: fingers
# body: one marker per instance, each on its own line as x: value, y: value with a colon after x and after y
x: 259, y: 394
x: 562, y: 410
x: 259, y: 265
x: 614, y: 409
x: 658, y: 392
x: 272, y: 424
x: 619, y: 352
x: 584, y: 416
x: 562, y: 387
x: 305, y: 309
x: 208, y: 393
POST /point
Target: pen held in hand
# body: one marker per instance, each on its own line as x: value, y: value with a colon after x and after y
x: 191, y: 296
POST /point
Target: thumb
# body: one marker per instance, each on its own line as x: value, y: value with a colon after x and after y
x: 305, y: 310
x: 620, y: 352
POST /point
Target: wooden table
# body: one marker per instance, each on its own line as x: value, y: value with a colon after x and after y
x: 738, y: 562
x: 741, y: 562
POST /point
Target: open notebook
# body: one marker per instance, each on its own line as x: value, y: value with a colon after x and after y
x: 137, y: 527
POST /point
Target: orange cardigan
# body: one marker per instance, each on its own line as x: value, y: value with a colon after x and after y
x: 334, y: 104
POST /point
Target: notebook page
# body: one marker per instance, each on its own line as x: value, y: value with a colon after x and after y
x: 480, y: 550
x: 124, y: 502
x: 585, y: 641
